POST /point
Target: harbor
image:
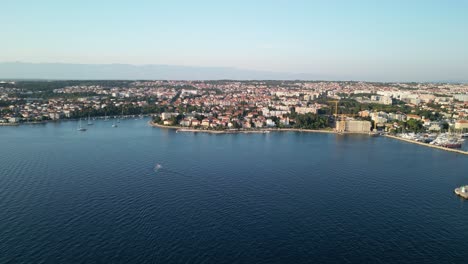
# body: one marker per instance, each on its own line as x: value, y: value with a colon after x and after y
x: 459, y: 151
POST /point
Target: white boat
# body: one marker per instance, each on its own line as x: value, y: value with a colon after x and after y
x: 80, y: 127
x: 89, y: 121
x: 462, y: 191
x: 114, y: 124
x: 447, y: 140
x: 118, y: 120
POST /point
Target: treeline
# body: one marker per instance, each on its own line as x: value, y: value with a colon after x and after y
x: 113, y: 111
x: 49, y: 94
x: 310, y: 121
x: 6, y: 103
x: 351, y: 106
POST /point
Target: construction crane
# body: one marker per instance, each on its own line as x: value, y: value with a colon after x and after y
x: 337, y: 129
x: 336, y: 107
x: 340, y: 118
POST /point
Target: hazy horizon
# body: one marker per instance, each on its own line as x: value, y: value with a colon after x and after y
x: 118, y: 71
x: 339, y: 40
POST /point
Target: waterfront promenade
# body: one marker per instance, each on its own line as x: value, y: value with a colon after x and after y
x: 9, y: 124
x: 429, y: 145
x: 182, y: 129
x: 227, y: 131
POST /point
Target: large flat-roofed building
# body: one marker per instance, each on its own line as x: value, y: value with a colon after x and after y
x: 305, y: 110
x: 165, y: 115
x: 461, y: 124
x: 461, y: 97
x: 355, y: 126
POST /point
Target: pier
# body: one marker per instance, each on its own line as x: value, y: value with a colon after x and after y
x: 429, y: 145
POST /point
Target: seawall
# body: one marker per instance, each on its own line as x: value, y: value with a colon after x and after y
x: 429, y: 145
x: 185, y: 129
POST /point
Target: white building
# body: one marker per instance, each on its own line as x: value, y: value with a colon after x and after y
x: 461, y: 97
x: 356, y: 126
x: 270, y: 123
x: 304, y: 110
x: 165, y: 115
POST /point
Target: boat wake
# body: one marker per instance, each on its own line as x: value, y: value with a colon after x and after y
x: 157, y: 167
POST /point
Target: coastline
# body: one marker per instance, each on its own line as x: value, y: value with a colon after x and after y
x: 429, y: 145
x: 267, y: 130
x: 42, y: 122
x: 9, y: 124
x: 257, y: 131
x: 177, y: 128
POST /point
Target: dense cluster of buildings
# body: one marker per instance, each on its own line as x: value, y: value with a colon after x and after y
x: 247, y: 104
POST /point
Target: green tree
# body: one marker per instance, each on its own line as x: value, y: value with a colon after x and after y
x: 414, y: 125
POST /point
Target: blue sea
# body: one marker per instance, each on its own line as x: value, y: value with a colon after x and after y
x: 138, y: 194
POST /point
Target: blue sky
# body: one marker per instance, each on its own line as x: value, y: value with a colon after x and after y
x: 366, y: 40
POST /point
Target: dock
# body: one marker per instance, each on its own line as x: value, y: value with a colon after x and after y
x: 459, y: 151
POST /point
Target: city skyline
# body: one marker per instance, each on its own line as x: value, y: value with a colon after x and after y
x: 339, y: 40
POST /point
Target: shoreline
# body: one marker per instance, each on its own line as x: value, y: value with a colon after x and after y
x: 429, y: 145
x: 267, y: 130
x: 257, y: 131
x: 9, y: 124
x: 71, y: 120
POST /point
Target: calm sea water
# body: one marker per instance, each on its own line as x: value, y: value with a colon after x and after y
x: 95, y: 197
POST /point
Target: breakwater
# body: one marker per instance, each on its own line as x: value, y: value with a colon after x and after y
x: 429, y: 145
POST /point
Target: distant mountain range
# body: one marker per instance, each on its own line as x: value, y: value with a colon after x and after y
x: 65, y: 71
x: 70, y: 71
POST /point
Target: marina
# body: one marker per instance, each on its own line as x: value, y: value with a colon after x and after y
x: 413, y: 141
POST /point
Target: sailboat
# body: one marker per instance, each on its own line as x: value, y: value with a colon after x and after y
x: 114, y: 124
x: 89, y: 121
x: 118, y: 120
x: 105, y: 117
x: 80, y: 127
